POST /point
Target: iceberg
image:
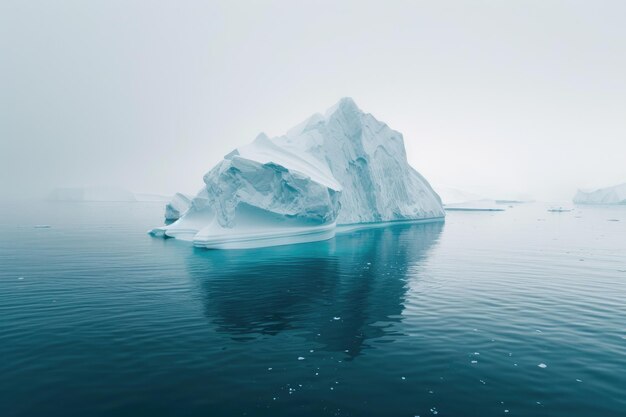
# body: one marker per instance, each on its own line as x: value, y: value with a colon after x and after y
x: 177, y: 206
x: 342, y: 168
x: 455, y: 196
x: 609, y: 195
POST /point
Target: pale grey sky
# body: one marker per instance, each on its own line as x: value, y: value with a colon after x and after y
x: 500, y: 98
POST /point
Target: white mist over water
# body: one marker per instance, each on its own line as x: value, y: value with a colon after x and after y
x: 502, y: 99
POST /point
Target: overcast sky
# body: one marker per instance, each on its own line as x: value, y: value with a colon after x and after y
x: 500, y: 98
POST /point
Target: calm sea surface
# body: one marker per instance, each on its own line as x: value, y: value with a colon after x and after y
x: 517, y: 313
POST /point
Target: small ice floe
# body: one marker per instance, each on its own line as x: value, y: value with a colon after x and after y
x: 431, y: 392
x: 482, y: 382
x: 311, y: 351
x: 403, y: 378
x: 538, y: 331
x: 269, y: 369
x: 20, y: 278
x: 474, y: 361
x: 336, y: 318
x: 42, y: 226
x: 579, y: 380
x: 332, y: 388
x: 434, y: 410
x: 558, y: 210
x: 300, y: 358
x: 506, y: 411
x: 542, y: 365
x: 476, y: 353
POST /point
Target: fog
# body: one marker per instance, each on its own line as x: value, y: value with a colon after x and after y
x: 507, y: 99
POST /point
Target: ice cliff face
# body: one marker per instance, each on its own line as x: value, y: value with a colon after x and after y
x: 344, y: 167
x: 177, y: 206
x: 609, y: 195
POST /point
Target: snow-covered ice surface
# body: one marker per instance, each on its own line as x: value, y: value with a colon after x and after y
x: 177, y: 206
x: 341, y: 168
x: 609, y: 195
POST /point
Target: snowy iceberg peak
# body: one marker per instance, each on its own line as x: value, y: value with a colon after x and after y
x: 343, y: 167
x: 369, y: 160
x: 609, y: 195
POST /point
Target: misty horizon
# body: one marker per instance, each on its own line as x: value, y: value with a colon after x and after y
x: 516, y: 100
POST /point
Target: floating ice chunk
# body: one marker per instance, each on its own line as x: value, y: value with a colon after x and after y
x: 336, y: 318
x: 300, y: 358
x: 542, y: 365
x: 343, y: 168
x: 609, y: 195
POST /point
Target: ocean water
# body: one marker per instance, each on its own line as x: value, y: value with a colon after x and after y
x: 517, y: 313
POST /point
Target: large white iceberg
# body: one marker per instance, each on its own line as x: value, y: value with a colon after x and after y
x: 341, y: 168
x: 609, y: 195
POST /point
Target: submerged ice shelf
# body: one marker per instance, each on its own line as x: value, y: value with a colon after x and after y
x: 341, y: 168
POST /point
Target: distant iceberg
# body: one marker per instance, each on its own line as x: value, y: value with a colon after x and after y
x: 455, y: 196
x: 341, y: 168
x: 609, y: 195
